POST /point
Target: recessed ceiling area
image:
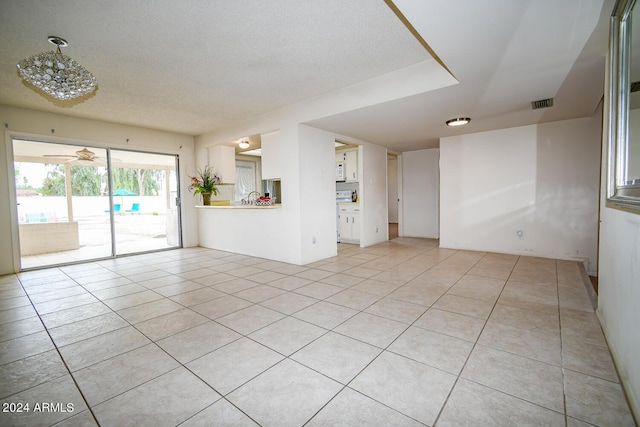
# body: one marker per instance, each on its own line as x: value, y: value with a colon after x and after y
x: 202, y: 66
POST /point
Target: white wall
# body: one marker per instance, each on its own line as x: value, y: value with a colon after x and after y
x: 261, y: 233
x: 318, y: 198
x: 304, y: 159
x: 372, y: 168
x: 267, y: 233
x: 420, y: 194
x: 29, y: 123
x: 392, y: 189
x: 306, y: 166
x: 619, y: 294
x: 619, y: 283
x: 539, y: 179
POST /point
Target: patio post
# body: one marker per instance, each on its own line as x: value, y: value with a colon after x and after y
x: 167, y: 186
x: 67, y: 185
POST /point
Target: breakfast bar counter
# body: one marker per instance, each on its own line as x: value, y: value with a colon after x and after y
x: 277, y: 206
x: 247, y: 229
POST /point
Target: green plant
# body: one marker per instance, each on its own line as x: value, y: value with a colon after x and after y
x: 205, y: 182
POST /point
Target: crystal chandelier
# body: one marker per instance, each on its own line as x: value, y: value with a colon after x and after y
x: 57, y: 74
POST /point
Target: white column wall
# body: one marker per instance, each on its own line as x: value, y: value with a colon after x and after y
x: 374, y: 214
x: 318, y: 198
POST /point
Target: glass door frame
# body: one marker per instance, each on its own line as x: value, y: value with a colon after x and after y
x: 112, y: 213
x: 13, y: 197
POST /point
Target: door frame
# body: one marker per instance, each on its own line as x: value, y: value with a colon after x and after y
x: 10, y: 136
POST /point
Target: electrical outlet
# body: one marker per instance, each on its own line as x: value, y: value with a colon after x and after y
x: 313, y: 240
x: 520, y: 234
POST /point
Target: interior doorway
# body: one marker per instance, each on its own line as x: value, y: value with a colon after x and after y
x: 78, y: 203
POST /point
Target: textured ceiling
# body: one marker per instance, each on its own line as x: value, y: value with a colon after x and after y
x: 197, y: 66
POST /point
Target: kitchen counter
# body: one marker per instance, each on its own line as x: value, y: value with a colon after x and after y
x: 244, y: 229
x: 276, y: 206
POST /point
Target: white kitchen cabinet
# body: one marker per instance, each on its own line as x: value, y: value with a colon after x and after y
x: 349, y: 223
x: 273, y: 155
x: 355, y: 224
x: 351, y: 160
x: 222, y: 160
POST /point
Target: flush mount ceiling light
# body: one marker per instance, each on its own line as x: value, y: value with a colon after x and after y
x: 458, y: 121
x: 57, y: 74
x: 244, y: 144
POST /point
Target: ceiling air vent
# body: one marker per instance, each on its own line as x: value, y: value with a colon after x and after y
x: 542, y: 103
x: 635, y: 86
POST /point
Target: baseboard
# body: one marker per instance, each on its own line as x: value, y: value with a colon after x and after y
x: 632, y: 399
x: 589, y: 287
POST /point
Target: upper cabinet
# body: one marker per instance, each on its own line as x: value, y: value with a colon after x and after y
x: 350, y: 160
x: 222, y: 160
x: 352, y: 165
x: 272, y: 154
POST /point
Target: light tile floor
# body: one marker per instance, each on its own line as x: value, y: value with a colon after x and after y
x: 402, y: 333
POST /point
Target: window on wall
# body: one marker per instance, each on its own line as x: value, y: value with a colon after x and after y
x: 246, y: 178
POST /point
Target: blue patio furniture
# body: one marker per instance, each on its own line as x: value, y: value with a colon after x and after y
x: 135, y: 208
x: 116, y: 208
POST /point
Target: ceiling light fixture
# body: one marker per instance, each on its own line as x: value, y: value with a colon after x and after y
x: 458, y: 121
x: 57, y: 74
x: 244, y: 144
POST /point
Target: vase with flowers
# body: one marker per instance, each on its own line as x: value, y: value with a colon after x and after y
x: 205, y: 183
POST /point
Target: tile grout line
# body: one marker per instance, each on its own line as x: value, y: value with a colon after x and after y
x: 285, y: 357
x: 344, y: 386
x: 446, y: 400
x: 129, y: 325
x: 564, y: 387
x: 380, y: 298
x: 180, y: 364
x: 385, y: 349
x: 64, y: 362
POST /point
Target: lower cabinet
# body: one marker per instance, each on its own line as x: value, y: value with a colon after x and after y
x: 349, y: 224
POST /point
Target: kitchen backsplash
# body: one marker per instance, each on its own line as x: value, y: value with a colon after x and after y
x: 348, y: 186
x: 225, y: 192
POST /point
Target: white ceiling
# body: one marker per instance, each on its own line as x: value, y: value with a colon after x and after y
x: 197, y: 66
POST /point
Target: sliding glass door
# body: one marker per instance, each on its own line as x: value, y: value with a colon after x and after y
x: 72, y: 206
x: 144, y: 193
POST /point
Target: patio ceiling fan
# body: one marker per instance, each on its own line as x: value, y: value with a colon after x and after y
x: 84, y: 156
